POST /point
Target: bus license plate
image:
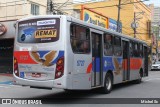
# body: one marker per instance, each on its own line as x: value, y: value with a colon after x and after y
x: 36, y: 75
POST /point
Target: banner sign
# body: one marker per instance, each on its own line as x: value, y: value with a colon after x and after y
x: 113, y: 25
x: 93, y: 17
x: 41, y: 30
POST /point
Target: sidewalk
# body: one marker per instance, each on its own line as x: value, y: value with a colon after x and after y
x: 6, y: 79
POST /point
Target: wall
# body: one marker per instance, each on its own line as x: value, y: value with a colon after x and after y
x: 16, y: 9
x: 142, y: 31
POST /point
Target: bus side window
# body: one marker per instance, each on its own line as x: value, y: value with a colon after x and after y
x: 117, y: 46
x: 108, y: 45
x: 72, y: 31
x: 136, y: 50
x: 79, y: 38
x: 131, y: 49
x: 141, y: 50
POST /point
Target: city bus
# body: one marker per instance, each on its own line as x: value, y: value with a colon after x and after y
x: 58, y: 51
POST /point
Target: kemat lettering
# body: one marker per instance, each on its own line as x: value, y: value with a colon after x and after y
x: 45, y: 33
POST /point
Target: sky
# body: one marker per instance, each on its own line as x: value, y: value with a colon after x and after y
x: 155, y: 2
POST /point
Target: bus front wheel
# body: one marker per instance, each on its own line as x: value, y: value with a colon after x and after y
x: 108, y: 83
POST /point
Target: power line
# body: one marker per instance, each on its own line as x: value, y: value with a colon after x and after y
x: 111, y: 5
x: 129, y: 30
x: 125, y: 1
x: 124, y: 28
x: 62, y: 4
x: 141, y: 10
x: 125, y: 32
x: 140, y: 18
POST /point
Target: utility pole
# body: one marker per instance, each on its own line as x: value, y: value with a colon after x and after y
x: 135, y: 24
x: 118, y: 19
x: 49, y: 7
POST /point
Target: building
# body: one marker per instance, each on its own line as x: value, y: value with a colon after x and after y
x: 11, y: 10
x: 16, y: 9
x: 151, y: 6
x: 156, y: 16
x: 155, y: 23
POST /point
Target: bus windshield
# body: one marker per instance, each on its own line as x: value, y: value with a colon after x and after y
x: 42, y: 30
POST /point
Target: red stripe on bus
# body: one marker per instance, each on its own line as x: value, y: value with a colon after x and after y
x: 89, y: 68
x: 23, y: 57
x: 135, y: 64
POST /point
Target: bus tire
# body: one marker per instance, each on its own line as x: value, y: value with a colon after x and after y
x: 138, y: 81
x: 108, y: 83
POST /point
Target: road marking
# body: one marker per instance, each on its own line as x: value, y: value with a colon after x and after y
x: 10, y: 86
x: 152, y: 79
x: 3, y: 87
x: 7, y: 82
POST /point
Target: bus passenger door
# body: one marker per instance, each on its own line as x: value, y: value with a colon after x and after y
x: 126, y: 61
x: 96, y: 59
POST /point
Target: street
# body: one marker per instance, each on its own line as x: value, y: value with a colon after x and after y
x: 149, y: 88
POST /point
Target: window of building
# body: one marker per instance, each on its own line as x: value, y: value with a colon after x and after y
x: 34, y: 9
x: 108, y: 45
x: 80, y: 39
x: 117, y: 46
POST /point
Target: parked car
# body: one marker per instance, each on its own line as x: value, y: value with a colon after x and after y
x: 156, y: 66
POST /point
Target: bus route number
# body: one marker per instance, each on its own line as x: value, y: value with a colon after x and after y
x: 80, y: 62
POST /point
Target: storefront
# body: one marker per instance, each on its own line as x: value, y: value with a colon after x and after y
x: 7, y: 34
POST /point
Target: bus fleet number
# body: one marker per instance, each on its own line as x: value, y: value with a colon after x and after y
x: 80, y: 62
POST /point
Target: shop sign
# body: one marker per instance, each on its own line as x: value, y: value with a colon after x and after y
x: 113, y: 25
x: 93, y: 17
x: 3, y: 29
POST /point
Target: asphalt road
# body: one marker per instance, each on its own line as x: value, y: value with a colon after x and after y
x: 149, y: 88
